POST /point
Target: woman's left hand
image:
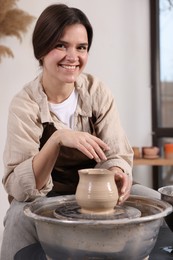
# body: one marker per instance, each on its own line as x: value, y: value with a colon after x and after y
x: 123, y: 182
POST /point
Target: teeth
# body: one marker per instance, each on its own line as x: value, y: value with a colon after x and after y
x: 69, y: 67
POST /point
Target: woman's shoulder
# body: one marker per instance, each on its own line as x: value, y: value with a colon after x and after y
x: 88, y: 79
x: 28, y: 95
x: 93, y: 84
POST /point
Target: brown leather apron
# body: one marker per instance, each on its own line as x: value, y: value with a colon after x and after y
x: 69, y: 161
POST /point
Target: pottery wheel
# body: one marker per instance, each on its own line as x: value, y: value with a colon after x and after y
x: 70, y: 210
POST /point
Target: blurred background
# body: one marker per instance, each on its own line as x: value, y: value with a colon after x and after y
x: 120, y: 56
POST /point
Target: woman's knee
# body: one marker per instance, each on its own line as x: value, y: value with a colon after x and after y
x: 141, y: 190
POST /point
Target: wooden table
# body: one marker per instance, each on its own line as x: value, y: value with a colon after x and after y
x: 159, y: 162
x: 153, y: 162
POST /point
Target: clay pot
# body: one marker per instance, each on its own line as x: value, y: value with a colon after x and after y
x: 96, y: 192
x: 150, y: 151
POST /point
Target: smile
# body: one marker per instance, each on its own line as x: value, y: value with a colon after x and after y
x: 69, y: 67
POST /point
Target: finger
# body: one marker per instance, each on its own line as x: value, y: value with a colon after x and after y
x: 88, y: 150
x: 125, y: 183
x: 84, y: 150
x: 94, y: 153
x: 100, y: 143
x: 98, y: 153
x: 124, y: 197
x: 96, y: 150
x: 121, y: 179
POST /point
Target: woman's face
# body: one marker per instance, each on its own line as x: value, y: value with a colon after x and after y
x: 68, y: 59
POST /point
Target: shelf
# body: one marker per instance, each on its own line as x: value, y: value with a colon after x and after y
x: 153, y: 162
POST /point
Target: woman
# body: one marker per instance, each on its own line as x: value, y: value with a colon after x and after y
x: 62, y: 121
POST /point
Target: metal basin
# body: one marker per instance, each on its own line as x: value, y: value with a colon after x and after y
x: 71, y: 238
x: 167, y: 195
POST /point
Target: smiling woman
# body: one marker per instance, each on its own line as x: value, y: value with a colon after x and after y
x: 53, y: 24
x: 64, y: 63
x: 63, y: 121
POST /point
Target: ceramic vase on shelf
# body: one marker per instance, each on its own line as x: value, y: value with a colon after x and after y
x: 96, y: 192
x: 168, y: 150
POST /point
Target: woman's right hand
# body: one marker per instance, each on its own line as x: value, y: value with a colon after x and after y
x: 90, y: 145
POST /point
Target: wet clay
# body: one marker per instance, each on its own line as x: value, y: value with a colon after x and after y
x: 96, y: 192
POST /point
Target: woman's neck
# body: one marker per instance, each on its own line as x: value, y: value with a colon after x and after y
x: 57, y: 92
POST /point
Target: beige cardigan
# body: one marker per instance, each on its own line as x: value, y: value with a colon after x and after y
x: 29, y: 110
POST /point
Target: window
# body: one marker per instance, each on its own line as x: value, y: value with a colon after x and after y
x: 161, y: 17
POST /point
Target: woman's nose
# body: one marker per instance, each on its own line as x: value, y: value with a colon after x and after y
x: 72, y: 55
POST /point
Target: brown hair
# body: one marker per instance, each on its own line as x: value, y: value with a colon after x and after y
x: 51, y: 24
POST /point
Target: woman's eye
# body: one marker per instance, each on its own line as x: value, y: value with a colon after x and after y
x: 82, y: 48
x: 60, y: 46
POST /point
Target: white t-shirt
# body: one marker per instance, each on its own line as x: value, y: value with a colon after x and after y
x: 65, y: 110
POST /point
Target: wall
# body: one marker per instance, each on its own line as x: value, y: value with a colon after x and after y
x: 119, y: 56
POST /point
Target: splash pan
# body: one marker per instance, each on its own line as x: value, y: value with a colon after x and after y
x: 63, y: 235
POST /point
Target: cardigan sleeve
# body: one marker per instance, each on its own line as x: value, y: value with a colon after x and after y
x: 24, y: 130
x: 108, y: 128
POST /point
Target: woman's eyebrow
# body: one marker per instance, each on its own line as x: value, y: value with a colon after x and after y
x: 83, y: 43
x: 80, y: 43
